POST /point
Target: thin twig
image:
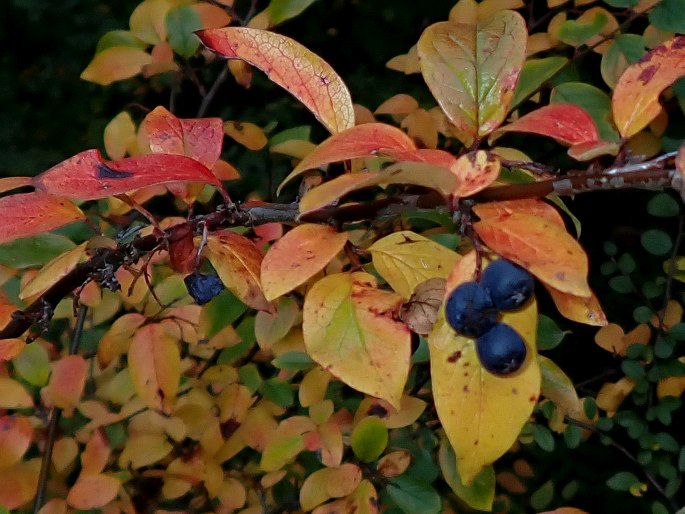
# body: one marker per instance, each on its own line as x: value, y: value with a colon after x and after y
x: 207, y: 98
x: 55, y: 415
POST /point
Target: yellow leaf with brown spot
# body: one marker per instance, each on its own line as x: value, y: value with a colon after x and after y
x: 482, y: 413
x: 406, y: 259
x: 155, y: 365
x: 475, y: 171
x: 350, y: 330
x: 238, y: 262
x: 298, y: 256
x: 540, y: 246
x: 247, y: 134
x: 290, y: 65
x: 635, y: 101
x: 116, y: 63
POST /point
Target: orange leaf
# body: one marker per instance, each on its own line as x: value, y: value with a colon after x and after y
x: 365, y: 140
x: 67, y: 381
x: 88, y: 176
x: 636, y: 97
x: 211, y: 16
x: 533, y: 206
x: 330, y: 192
x: 18, y: 483
x: 10, y: 348
x: 198, y: 138
x: 237, y: 262
x: 472, y: 70
x: 155, y: 365
x: 27, y: 214
x: 16, y: 433
x: 9, y: 183
x: 568, y: 124
x: 349, y: 329
x: 297, y: 256
x: 93, y: 491
x: 290, y: 65
x: 581, y: 309
x: 475, y: 171
x: 116, y: 63
x: 96, y: 454
x: 542, y: 247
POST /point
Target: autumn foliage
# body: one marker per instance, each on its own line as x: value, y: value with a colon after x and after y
x: 242, y: 355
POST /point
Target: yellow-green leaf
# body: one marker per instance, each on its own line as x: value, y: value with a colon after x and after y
x: 472, y: 70
x: 350, y: 330
x: 116, y: 63
x: 405, y: 259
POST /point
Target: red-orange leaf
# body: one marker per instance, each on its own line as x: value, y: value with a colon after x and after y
x: 542, y: 247
x: 360, y: 141
x: 88, y: 176
x: 197, y: 138
x: 568, y: 124
x: 27, y: 214
x: 15, y: 438
x: 66, y: 383
x: 10, y: 348
x: 636, y: 97
x: 290, y: 65
x: 238, y: 262
x: 297, y: 256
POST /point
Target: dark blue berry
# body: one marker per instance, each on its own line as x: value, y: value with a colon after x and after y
x: 469, y: 310
x: 501, y: 350
x: 203, y: 287
x: 509, y: 285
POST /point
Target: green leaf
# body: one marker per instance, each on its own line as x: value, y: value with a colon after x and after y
x: 624, y: 50
x: 622, y: 3
x: 572, y: 436
x: 621, y: 284
x: 590, y: 408
x: 543, y: 437
x: 656, y: 241
x: 249, y: 377
x: 293, y: 361
x: 667, y: 15
x: 536, y: 72
x: 220, y: 312
x: 626, y: 263
x: 180, y: 24
x: 574, y: 33
x: 595, y: 101
x: 369, y: 439
x: 413, y: 495
x: 29, y: 252
x: 282, y: 10
x: 543, y: 496
x: 642, y: 314
x: 480, y: 493
x: 277, y: 391
x: 622, y: 481
x: 118, y: 38
x: 301, y: 133
x: 549, y: 334
x: 33, y: 364
x: 663, y: 205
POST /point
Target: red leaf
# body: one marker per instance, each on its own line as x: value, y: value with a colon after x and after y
x: 198, y: 138
x: 88, y: 176
x: 290, y: 65
x: 27, y: 214
x: 566, y: 123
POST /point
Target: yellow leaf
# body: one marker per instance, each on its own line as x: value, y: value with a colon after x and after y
x: 290, y: 65
x: 148, y: 21
x: 116, y: 63
x: 671, y: 386
x: 247, y: 134
x: 610, y: 396
x: 93, y: 491
x: 53, y: 271
x: 144, y: 450
x: 482, y: 413
x: 297, y: 256
x: 237, y: 262
x: 155, y: 365
x: 18, y: 484
x: 421, y: 128
x: 406, y: 259
x: 350, y: 330
x: 13, y: 395
x: 120, y: 136
x: 64, y: 453
x: 577, y: 308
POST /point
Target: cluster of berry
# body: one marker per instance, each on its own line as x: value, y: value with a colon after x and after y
x: 473, y: 308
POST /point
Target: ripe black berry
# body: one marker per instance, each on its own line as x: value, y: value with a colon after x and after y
x: 203, y: 287
x: 509, y: 285
x: 501, y: 350
x: 470, y: 310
